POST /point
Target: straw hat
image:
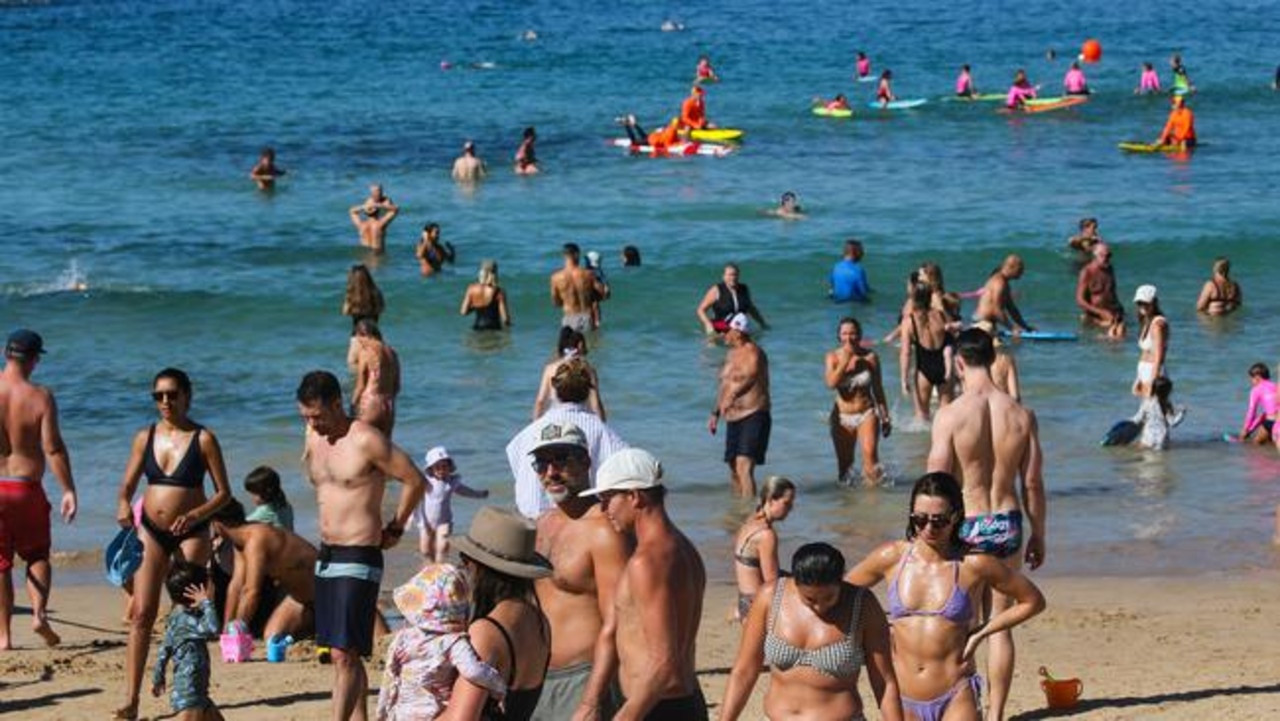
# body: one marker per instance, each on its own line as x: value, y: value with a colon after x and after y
x: 503, y: 541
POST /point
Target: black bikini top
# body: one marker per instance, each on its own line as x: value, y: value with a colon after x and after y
x: 190, y: 471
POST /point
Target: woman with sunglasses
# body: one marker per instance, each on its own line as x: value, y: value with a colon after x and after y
x: 174, y: 454
x: 932, y: 584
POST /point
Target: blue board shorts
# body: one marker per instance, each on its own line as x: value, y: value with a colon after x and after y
x: 347, y: 582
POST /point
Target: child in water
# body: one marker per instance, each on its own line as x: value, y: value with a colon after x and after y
x: 1260, y: 418
x: 192, y: 622
x: 705, y: 73
x: 270, y: 504
x: 1149, y: 82
x: 426, y: 657
x: 863, y: 65
x: 434, y: 516
x: 1157, y: 416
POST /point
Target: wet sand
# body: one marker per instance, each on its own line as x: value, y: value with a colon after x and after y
x: 1188, y: 648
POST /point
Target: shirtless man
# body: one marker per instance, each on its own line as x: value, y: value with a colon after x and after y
x: 274, y: 574
x: 653, y: 624
x: 574, y: 289
x: 372, y: 217
x: 265, y: 171
x: 1096, y: 293
x: 1088, y: 237
x: 996, y: 303
x: 588, y: 556
x: 743, y: 402
x: 28, y: 436
x: 468, y: 168
x: 349, y: 462
x: 992, y: 446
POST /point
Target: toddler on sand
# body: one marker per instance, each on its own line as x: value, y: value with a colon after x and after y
x: 434, y: 516
x: 192, y: 623
x: 427, y: 655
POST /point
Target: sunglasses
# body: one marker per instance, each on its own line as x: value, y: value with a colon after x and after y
x: 561, y: 459
x: 158, y: 396
x: 936, y: 520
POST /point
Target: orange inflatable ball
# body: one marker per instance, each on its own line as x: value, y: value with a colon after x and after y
x: 1091, y: 51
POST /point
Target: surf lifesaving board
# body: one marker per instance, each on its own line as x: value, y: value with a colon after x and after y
x: 716, y: 135
x: 1045, y: 105
x: 1136, y: 147
x: 897, y: 104
x: 1040, y: 335
x: 675, y: 150
x: 833, y: 112
x: 980, y: 98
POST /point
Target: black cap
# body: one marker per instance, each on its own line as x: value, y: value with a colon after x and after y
x: 24, y: 343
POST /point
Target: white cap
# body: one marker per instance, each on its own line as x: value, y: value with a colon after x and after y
x: 560, y: 434
x: 593, y: 257
x: 740, y: 323
x: 1145, y: 294
x: 629, y: 469
x: 437, y: 454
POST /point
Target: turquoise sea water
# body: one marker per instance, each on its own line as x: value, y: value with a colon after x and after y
x: 128, y: 130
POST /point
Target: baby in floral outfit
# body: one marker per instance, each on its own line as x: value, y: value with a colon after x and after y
x: 429, y: 653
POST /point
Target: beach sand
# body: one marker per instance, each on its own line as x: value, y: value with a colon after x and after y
x: 1176, y: 648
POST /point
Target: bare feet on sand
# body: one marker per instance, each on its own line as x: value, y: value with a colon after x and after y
x: 45, y: 631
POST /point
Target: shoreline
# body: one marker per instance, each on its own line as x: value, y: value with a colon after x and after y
x: 1178, y: 648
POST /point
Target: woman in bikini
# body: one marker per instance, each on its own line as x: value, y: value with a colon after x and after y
x: 755, y: 555
x: 1153, y: 340
x: 859, y: 415
x: 926, y: 340
x: 815, y: 632
x: 1220, y: 295
x: 174, y: 454
x: 932, y: 584
x: 377, y: 371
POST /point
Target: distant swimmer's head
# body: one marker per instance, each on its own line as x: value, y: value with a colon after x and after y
x: 1020, y: 77
x: 1012, y: 267
x: 469, y: 148
x: 530, y: 133
x: 788, y: 200
x: 630, y: 256
x: 1088, y: 224
x: 886, y: 75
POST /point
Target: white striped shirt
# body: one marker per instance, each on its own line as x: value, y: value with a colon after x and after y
x: 602, y: 442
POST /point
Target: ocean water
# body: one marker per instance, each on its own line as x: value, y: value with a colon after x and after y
x: 128, y: 130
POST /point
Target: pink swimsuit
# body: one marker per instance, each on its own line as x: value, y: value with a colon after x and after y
x: 1262, y: 397
x: 1074, y: 82
x: 1150, y: 82
x: 1019, y: 94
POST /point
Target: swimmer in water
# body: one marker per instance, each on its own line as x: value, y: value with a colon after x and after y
x: 1149, y: 82
x: 884, y: 91
x: 526, y: 159
x: 788, y: 207
x: 265, y: 171
x: 705, y: 73
x: 1074, y: 83
x: 1181, y: 80
x: 863, y: 65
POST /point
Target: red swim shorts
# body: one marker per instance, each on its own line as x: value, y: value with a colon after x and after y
x: 24, y: 522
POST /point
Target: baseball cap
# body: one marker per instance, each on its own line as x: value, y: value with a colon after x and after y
x: 1144, y: 294
x: 437, y: 454
x: 24, y: 343
x: 740, y: 323
x: 553, y: 434
x: 630, y: 469
x: 594, y: 257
